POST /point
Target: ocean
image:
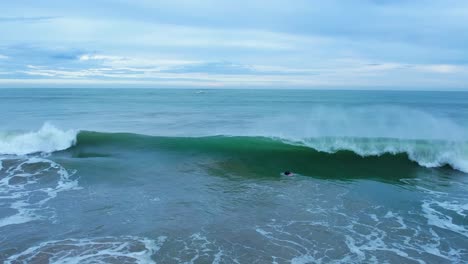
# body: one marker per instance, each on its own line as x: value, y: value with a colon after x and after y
x: 196, y: 176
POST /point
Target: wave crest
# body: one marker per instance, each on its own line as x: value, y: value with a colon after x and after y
x: 427, y: 153
x: 47, y: 139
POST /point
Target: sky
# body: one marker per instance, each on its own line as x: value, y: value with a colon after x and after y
x: 360, y: 44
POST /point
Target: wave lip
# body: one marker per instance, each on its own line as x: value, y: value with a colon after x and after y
x: 427, y: 153
x: 47, y: 139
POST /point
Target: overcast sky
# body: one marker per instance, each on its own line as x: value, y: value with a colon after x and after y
x: 367, y: 44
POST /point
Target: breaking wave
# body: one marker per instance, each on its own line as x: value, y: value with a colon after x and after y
x: 425, y: 152
x: 47, y: 139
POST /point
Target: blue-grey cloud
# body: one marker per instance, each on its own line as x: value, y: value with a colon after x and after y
x: 296, y: 42
x: 213, y: 67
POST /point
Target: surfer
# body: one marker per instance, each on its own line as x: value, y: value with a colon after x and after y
x: 288, y: 173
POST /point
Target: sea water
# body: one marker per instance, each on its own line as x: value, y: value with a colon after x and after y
x: 186, y: 176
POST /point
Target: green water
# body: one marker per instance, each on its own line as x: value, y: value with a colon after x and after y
x: 139, y: 176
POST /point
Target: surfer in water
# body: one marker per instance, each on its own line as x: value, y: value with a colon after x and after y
x: 288, y: 173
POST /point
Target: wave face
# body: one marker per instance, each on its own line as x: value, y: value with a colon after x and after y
x: 338, y: 151
x: 428, y: 153
x: 47, y: 139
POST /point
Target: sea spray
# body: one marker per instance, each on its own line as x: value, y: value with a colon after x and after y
x: 47, y: 139
x: 371, y: 121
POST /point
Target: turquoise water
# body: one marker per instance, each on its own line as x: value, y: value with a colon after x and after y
x: 186, y: 176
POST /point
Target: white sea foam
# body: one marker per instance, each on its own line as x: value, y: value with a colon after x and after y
x: 47, y: 139
x: 21, y: 179
x: 203, y: 248
x: 304, y: 259
x: 92, y: 250
x: 436, y: 213
x: 370, y: 235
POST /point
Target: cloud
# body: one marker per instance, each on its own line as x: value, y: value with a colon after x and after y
x: 226, y: 67
x: 87, y: 57
x: 261, y: 42
x: 98, y: 83
x: 443, y: 68
x: 104, y: 33
x: 413, y: 22
x: 221, y: 67
x: 343, y: 73
x: 27, y: 19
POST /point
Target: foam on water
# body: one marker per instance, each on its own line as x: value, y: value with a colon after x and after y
x: 47, y: 139
x: 443, y: 211
x: 369, y: 234
x: 91, y: 250
x: 446, y: 211
x: 194, y: 248
x: 304, y: 259
x: 24, y: 177
x: 434, y: 212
